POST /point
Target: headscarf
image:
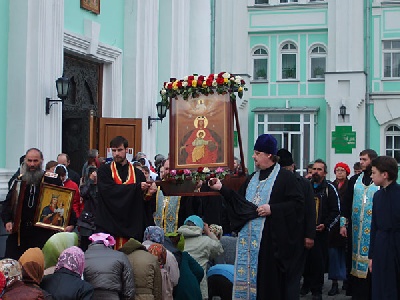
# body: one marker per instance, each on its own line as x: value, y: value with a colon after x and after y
x: 105, y: 238
x: 65, y: 168
x: 196, y: 221
x: 11, y: 270
x: 217, y: 230
x: 72, y: 259
x: 344, y: 166
x: 154, y: 234
x: 32, y: 262
x: 56, y: 244
x: 160, y: 252
x: 3, y: 283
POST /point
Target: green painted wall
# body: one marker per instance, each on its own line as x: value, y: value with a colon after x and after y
x: 320, y: 129
x: 374, y: 132
x: 4, y: 26
x: 111, y: 20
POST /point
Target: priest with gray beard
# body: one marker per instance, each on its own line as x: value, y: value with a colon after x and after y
x: 28, y: 236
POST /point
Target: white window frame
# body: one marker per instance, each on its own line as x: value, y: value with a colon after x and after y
x: 390, y: 51
x: 317, y: 55
x: 302, y: 164
x: 259, y: 56
x: 288, y: 51
x: 392, y: 134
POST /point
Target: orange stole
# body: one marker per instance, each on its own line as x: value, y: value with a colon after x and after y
x: 119, y: 242
x: 131, y: 174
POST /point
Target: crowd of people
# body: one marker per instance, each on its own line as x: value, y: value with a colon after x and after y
x: 272, y: 238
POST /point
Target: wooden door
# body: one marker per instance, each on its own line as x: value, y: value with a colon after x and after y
x: 131, y: 129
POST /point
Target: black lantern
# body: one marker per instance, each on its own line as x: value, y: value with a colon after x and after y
x: 342, y: 111
x: 62, y: 86
x: 161, y: 112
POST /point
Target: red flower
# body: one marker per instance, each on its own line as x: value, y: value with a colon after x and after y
x: 209, y: 81
x: 212, y: 175
x: 169, y: 86
x: 200, y: 169
x: 189, y: 83
x: 180, y: 172
x: 242, y: 82
x: 211, y: 76
x: 220, y: 80
x: 220, y: 74
x: 190, y: 78
x: 199, y: 83
x: 201, y: 78
x: 179, y: 83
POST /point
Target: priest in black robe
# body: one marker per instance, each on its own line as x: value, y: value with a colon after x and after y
x: 268, y: 212
x: 123, y: 210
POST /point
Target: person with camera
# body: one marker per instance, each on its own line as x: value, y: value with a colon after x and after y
x: 88, y: 191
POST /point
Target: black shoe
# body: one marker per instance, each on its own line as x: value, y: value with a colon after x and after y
x: 316, y: 296
x: 334, y: 289
x: 344, y: 286
x: 304, y: 291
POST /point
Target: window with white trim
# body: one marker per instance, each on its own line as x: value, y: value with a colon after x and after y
x: 391, y: 59
x: 293, y: 131
x: 261, y: 1
x: 392, y: 145
x: 289, y: 61
x: 260, y: 64
x: 288, y: 1
x: 318, y: 62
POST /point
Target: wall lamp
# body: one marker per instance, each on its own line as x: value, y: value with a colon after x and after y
x: 161, y: 112
x: 62, y: 85
x: 342, y: 111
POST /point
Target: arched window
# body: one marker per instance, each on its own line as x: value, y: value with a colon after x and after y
x: 318, y: 62
x: 260, y: 64
x: 392, y: 146
x: 289, y: 61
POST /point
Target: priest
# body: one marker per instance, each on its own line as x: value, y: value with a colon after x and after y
x: 123, y: 210
x: 267, y: 211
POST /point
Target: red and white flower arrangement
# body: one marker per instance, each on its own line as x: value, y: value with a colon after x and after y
x: 194, y: 85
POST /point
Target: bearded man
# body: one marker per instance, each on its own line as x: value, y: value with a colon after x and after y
x: 28, y: 236
x: 122, y: 210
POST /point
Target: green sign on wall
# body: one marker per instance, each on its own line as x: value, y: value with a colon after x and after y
x: 343, y: 139
x: 235, y: 139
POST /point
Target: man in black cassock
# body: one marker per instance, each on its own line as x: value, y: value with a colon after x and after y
x: 27, y: 236
x: 384, y: 249
x: 268, y: 211
x: 122, y: 209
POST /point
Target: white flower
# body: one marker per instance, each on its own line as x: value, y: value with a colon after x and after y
x: 184, y: 84
x: 226, y: 75
x: 196, y: 77
x: 237, y: 81
x: 163, y: 92
x: 215, y: 75
x: 186, y: 78
x: 206, y: 170
x: 214, y: 83
x: 238, y: 77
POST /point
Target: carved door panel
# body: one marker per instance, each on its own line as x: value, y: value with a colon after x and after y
x: 80, y: 109
x: 131, y: 129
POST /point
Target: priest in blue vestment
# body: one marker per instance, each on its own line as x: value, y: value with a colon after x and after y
x: 268, y: 213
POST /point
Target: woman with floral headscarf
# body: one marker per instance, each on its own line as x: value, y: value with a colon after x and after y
x: 160, y: 252
x: 66, y: 283
x: 155, y: 234
x: 15, y: 288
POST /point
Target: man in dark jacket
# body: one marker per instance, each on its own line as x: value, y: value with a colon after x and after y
x: 327, y: 215
x: 307, y: 223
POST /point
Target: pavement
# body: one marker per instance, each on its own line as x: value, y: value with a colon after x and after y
x: 326, y: 288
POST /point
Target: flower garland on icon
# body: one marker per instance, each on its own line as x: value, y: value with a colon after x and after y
x: 202, y: 173
x: 194, y: 85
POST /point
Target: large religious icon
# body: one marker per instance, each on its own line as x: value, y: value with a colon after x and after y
x: 201, y: 132
x: 54, y: 208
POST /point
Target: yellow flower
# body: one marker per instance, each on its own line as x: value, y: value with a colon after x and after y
x: 175, y: 85
x: 240, y: 89
x: 204, y: 84
x: 226, y: 80
x: 194, y: 83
